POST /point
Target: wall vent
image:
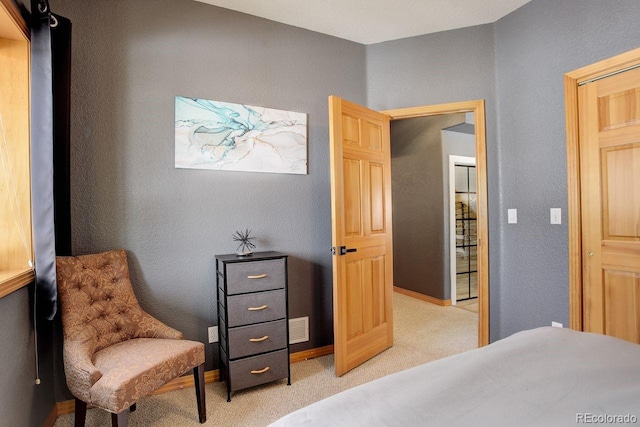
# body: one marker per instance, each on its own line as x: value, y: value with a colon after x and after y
x: 298, y: 330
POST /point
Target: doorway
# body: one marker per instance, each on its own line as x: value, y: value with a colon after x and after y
x: 362, y: 230
x: 477, y: 108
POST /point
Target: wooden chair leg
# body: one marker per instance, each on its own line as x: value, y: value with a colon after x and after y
x: 120, y: 420
x: 198, y: 376
x: 81, y: 413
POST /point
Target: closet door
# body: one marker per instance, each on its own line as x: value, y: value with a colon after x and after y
x: 609, y: 116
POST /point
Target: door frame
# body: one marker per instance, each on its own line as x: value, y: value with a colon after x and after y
x: 572, y: 80
x: 453, y: 162
x: 477, y: 108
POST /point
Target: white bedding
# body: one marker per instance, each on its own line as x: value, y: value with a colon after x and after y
x: 541, y: 377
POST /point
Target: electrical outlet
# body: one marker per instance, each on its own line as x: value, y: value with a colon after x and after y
x: 556, y: 324
x: 555, y: 215
x: 512, y: 216
x: 213, y: 334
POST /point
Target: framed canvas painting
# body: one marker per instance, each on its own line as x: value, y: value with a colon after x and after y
x: 237, y: 137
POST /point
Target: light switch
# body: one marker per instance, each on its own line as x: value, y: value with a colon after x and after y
x: 512, y: 216
x: 556, y: 215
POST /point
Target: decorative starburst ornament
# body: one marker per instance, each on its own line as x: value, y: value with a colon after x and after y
x: 246, y: 245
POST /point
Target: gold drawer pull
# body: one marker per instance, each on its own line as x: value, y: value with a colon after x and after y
x: 266, y: 337
x: 262, y: 307
x: 260, y: 276
x: 261, y: 371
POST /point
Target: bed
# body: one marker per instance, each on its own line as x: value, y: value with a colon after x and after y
x: 540, y: 377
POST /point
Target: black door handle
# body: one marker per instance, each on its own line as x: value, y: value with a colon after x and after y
x: 343, y: 250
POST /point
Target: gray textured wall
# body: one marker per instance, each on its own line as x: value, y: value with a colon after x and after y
x: 22, y: 402
x: 445, y: 67
x: 419, y: 234
x: 129, y: 60
x: 535, y: 46
x: 517, y: 66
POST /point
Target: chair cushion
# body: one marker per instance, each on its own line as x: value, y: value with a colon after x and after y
x: 132, y: 369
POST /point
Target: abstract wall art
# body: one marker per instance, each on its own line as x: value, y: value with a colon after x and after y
x: 236, y: 137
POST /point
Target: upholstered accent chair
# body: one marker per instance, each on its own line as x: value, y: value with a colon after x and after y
x: 114, y: 352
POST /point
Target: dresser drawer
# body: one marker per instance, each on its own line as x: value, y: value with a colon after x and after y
x: 256, y: 308
x: 255, y: 276
x: 256, y: 339
x: 259, y: 369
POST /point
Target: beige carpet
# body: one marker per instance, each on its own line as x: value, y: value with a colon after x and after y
x: 423, y: 332
x: 470, y: 305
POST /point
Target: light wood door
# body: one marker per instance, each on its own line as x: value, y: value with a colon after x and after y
x: 609, y: 125
x: 361, y: 233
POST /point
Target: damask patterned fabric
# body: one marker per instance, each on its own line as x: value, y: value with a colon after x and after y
x: 133, y: 369
x: 114, y: 352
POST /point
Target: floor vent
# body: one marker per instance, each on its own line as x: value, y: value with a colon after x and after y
x: 298, y: 330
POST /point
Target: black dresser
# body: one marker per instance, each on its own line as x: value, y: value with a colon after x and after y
x: 253, y: 320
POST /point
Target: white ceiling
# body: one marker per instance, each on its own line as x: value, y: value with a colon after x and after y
x: 375, y: 21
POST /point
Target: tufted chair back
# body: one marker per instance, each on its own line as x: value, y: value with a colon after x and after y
x: 114, y: 352
x: 96, y: 294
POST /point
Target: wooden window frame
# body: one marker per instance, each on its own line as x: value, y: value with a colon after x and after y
x: 13, y: 26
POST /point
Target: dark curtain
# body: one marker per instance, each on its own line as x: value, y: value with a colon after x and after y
x: 61, y: 60
x: 50, y: 53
